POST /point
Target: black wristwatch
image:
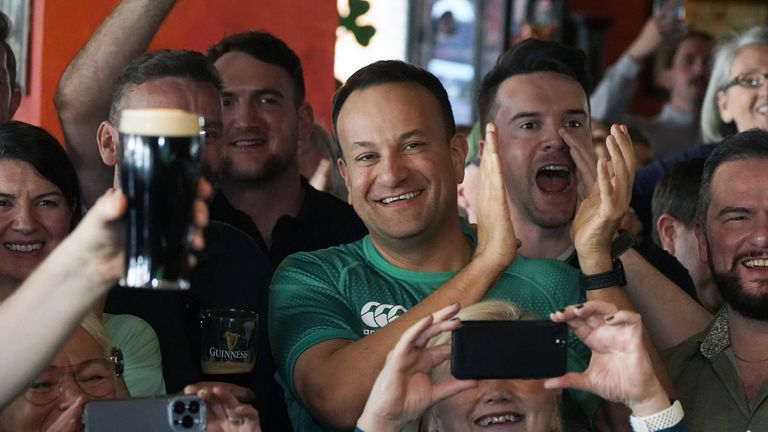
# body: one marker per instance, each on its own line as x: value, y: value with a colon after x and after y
x: 615, y: 277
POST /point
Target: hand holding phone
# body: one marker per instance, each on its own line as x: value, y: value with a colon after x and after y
x: 169, y: 413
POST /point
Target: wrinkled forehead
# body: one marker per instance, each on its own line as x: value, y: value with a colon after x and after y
x: 79, y: 348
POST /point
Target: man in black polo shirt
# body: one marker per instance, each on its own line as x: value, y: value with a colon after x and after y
x: 265, y: 117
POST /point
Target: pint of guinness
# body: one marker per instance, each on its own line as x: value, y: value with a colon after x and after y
x: 228, y: 343
x: 159, y: 164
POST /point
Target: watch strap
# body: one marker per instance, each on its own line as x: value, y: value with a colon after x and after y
x: 661, y: 420
x: 614, y: 277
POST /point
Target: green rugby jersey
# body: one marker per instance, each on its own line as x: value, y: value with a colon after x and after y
x: 349, y: 291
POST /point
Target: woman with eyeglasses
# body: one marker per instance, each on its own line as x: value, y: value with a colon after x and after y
x: 736, y: 100
x: 83, y: 369
x: 87, y: 368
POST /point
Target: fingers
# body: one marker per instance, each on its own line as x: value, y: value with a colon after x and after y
x: 204, y: 189
x: 110, y: 206
x: 225, y: 411
x: 321, y: 175
x: 584, y: 310
x: 70, y: 419
x: 572, y: 380
x: 434, y: 330
x: 584, y: 156
x: 490, y: 143
x: 449, y: 387
x: 242, y: 394
x: 622, y: 153
x: 418, y: 334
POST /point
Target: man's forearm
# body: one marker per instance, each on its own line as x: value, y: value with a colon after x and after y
x: 610, y: 99
x: 338, y: 395
x: 84, y: 92
x: 670, y: 315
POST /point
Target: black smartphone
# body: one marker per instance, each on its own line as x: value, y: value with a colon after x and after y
x: 162, y: 414
x: 508, y: 349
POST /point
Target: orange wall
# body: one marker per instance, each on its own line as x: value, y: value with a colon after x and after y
x: 61, y: 27
x: 628, y: 17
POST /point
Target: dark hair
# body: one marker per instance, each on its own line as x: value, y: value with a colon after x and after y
x: 35, y: 146
x: 186, y: 64
x: 531, y: 56
x: 10, y: 58
x: 394, y: 71
x: 747, y: 145
x: 264, y: 47
x: 677, y: 193
x: 690, y: 34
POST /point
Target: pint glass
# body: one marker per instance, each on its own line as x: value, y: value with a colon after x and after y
x: 229, y: 342
x: 159, y: 164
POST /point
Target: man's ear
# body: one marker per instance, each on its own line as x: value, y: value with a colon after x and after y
x: 306, y: 121
x: 109, y: 144
x: 722, y: 107
x: 343, y: 171
x: 459, y: 148
x: 701, y: 238
x: 665, y: 226
x: 15, y: 101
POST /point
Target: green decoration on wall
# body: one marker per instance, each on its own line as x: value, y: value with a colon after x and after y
x: 357, y: 8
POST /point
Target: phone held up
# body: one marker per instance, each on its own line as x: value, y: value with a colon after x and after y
x: 509, y: 349
x: 171, y: 413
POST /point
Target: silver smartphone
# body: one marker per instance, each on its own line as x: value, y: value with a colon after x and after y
x: 162, y: 414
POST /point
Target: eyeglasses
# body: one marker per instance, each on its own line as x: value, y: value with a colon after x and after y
x: 747, y: 80
x: 95, y: 378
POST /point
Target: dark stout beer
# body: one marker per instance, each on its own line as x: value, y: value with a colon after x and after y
x: 160, y: 161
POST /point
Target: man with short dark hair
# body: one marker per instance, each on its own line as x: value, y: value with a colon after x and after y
x: 10, y: 93
x: 720, y: 374
x: 674, y: 212
x: 265, y: 117
x: 537, y: 94
x: 335, y: 313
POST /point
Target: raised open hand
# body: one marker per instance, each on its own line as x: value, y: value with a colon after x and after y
x: 599, y: 215
x: 620, y: 369
x: 495, y: 233
x: 404, y: 389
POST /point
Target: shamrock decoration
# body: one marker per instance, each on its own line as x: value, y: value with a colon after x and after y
x: 357, y: 8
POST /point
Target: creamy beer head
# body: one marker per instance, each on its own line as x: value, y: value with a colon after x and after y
x: 160, y: 122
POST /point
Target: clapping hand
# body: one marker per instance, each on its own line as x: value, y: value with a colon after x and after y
x: 599, y: 215
x: 495, y: 233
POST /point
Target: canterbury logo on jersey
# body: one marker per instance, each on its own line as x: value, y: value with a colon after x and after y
x: 376, y: 315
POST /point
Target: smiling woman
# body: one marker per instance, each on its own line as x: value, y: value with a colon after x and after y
x: 39, y: 200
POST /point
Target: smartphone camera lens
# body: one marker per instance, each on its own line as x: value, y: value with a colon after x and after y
x: 187, y: 422
x: 194, y: 407
x: 179, y: 407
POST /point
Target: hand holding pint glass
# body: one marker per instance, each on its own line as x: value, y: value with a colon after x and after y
x: 228, y: 344
x: 160, y: 161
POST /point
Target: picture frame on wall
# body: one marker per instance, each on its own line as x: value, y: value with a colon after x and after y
x: 18, y: 39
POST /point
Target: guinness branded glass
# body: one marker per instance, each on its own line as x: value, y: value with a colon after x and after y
x: 159, y: 165
x: 229, y: 341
